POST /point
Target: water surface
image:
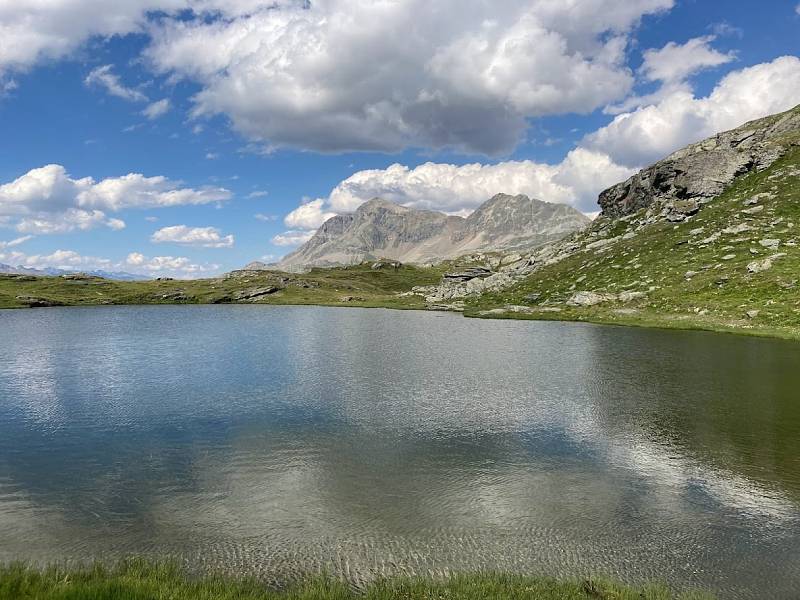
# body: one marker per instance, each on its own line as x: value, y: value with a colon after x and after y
x: 280, y: 440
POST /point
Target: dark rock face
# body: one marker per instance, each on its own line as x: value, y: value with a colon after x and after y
x: 254, y: 293
x: 468, y: 274
x: 35, y: 302
x: 703, y: 170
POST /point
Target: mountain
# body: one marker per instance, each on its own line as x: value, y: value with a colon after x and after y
x: 709, y: 237
x: 381, y: 229
x: 52, y: 272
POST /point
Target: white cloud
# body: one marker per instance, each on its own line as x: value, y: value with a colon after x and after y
x: 461, y: 189
x: 168, y: 265
x: 15, y: 242
x: 105, y: 78
x: 258, y: 194
x: 205, y: 237
x: 292, y: 238
x: 605, y: 157
x: 675, y: 62
x: 48, y: 200
x: 309, y: 215
x: 797, y: 9
x: 652, y: 132
x: 454, y: 73
x: 212, y: 156
x: 157, y: 109
x: 266, y: 218
x: 60, y: 259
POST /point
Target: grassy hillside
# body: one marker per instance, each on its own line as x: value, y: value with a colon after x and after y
x: 350, y: 286
x: 143, y: 581
x: 733, y: 266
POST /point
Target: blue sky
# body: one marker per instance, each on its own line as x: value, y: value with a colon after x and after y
x: 189, y: 137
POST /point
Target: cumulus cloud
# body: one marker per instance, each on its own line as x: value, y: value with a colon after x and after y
x: 607, y: 156
x: 675, y: 62
x: 48, y: 200
x: 649, y: 133
x: 309, y: 215
x: 452, y: 73
x: 157, y: 109
x: 292, y: 238
x: 461, y: 189
x: 168, y: 265
x: 60, y: 259
x: 135, y: 263
x: 204, y: 237
x: 107, y: 79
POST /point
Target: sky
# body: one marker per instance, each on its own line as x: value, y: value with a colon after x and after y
x: 186, y: 138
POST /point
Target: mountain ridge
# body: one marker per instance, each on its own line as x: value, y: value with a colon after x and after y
x: 383, y: 229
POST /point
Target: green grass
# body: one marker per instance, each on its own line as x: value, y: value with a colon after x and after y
x: 139, y: 580
x: 656, y: 260
x: 349, y: 286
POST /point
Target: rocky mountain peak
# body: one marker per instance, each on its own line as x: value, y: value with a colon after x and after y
x: 383, y: 229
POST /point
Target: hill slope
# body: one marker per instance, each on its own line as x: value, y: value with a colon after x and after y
x: 681, y: 244
x: 381, y: 229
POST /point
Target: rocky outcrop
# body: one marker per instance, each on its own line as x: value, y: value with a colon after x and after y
x: 381, y: 230
x: 682, y: 181
x: 36, y: 302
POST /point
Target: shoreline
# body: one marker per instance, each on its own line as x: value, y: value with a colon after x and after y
x: 648, y: 320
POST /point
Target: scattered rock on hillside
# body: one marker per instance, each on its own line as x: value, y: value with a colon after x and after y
x: 757, y: 266
x: 589, y: 299
x: 36, y: 302
x: 386, y: 264
x: 254, y: 293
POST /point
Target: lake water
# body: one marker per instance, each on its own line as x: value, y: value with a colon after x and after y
x: 280, y: 440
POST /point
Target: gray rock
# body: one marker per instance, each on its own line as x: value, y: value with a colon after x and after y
x: 386, y: 264
x: 383, y: 229
x: 757, y: 266
x: 468, y: 274
x: 254, y: 293
x: 770, y: 243
x: 626, y: 297
x: 37, y: 302
x: 703, y: 170
x: 753, y: 211
x: 589, y: 299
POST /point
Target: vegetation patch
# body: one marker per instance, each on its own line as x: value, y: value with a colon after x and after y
x: 734, y: 266
x: 139, y: 580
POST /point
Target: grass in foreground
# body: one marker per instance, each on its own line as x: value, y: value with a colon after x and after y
x: 139, y: 580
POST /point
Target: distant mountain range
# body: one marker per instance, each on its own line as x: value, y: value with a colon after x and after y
x: 49, y: 271
x: 381, y: 229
